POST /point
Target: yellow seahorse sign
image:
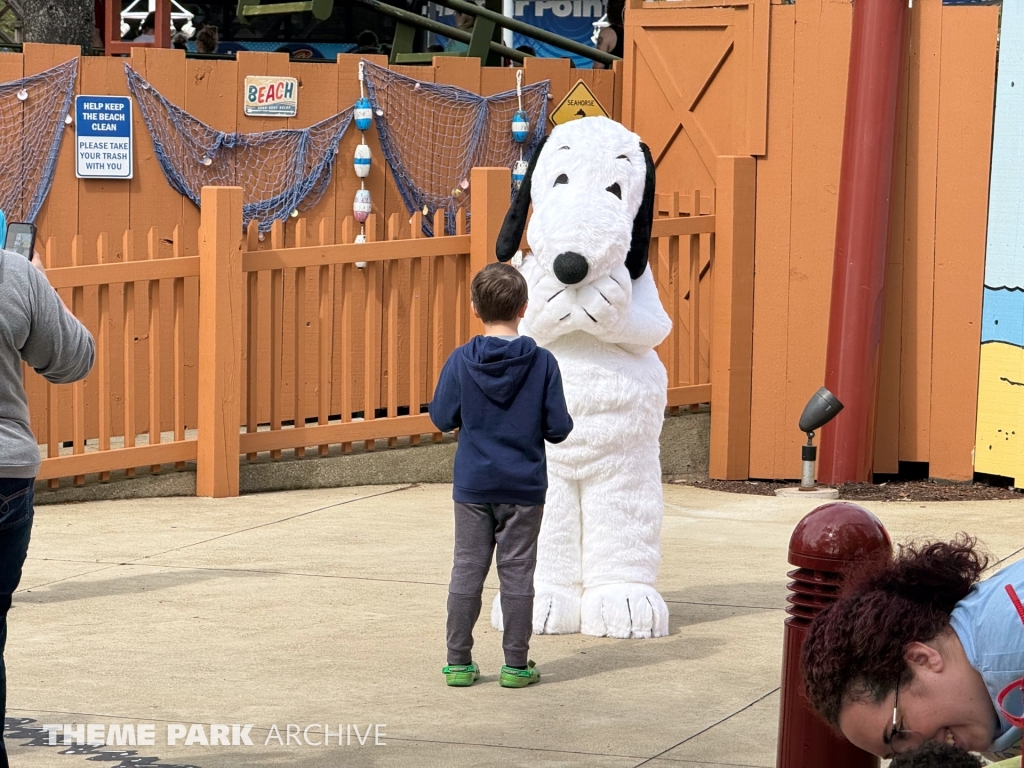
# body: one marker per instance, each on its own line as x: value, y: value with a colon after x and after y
x: 579, y: 102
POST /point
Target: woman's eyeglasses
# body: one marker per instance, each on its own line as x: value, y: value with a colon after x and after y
x: 898, y: 732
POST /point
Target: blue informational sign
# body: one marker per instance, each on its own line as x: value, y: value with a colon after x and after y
x: 103, y: 137
x: 573, y: 19
x: 569, y: 18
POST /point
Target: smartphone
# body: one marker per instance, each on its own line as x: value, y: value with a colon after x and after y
x: 21, y: 238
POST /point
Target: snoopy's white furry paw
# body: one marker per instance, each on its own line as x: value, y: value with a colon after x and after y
x: 553, y: 310
x: 556, y: 610
x: 606, y: 300
x: 624, y: 610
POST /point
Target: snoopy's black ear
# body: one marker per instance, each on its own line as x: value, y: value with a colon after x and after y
x: 636, y: 259
x: 515, y: 220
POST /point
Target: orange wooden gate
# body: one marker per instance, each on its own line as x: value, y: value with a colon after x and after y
x: 696, y: 84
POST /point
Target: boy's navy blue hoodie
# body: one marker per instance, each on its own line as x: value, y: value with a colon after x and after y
x: 506, y: 399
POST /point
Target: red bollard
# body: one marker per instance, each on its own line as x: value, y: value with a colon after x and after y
x: 824, y: 545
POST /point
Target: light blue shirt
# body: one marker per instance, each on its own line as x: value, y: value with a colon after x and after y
x: 992, y: 634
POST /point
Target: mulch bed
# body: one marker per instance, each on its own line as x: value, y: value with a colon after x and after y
x: 917, y: 490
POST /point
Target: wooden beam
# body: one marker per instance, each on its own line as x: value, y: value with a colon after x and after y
x: 732, y: 318
x: 728, y: 41
x: 694, y: 394
x: 125, y: 272
x: 117, y: 458
x: 339, y: 432
x: 683, y: 225
x: 490, y: 188
x: 221, y: 308
x: 319, y: 255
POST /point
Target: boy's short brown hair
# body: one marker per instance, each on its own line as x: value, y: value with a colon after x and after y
x: 934, y: 753
x: 498, y: 292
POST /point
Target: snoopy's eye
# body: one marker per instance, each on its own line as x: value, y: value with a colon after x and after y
x: 615, y: 190
x: 562, y: 179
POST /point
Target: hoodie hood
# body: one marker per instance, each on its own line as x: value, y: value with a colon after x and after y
x: 498, y: 367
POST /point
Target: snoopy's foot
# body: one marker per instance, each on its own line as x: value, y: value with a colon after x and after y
x: 624, y: 610
x: 497, y: 620
x: 556, y: 610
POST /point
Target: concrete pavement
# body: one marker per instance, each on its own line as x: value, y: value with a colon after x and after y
x: 318, y: 607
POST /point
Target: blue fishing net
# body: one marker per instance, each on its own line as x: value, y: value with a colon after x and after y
x: 33, y: 114
x: 433, y: 135
x: 278, y: 171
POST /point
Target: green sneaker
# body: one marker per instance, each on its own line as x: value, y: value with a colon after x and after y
x: 519, y: 678
x: 461, y: 675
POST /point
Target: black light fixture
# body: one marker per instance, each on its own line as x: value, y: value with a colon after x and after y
x: 819, y: 411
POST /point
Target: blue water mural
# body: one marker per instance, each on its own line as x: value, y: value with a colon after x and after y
x: 1002, y: 318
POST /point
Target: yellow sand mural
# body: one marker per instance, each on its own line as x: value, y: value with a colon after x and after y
x: 1000, y: 398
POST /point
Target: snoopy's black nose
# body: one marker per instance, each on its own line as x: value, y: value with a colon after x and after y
x: 570, y: 267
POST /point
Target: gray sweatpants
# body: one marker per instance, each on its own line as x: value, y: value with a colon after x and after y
x: 478, y: 527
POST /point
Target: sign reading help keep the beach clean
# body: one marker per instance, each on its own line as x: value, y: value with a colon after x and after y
x: 103, y: 137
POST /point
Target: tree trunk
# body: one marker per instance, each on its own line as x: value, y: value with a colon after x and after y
x: 68, y: 22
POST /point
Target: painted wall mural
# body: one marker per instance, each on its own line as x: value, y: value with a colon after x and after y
x: 999, y: 448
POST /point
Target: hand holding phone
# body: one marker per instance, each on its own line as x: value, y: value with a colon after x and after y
x: 21, y: 239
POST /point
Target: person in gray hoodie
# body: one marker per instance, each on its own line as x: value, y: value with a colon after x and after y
x: 35, y: 327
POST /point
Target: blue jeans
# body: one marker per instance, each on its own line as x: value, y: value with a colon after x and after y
x: 16, y: 497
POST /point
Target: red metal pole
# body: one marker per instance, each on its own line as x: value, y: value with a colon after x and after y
x: 825, y: 544
x: 877, y: 55
x: 162, y: 32
x: 112, y: 26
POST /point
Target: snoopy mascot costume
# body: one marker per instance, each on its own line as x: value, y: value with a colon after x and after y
x: 593, y: 303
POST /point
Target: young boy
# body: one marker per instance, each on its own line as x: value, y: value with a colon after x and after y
x: 935, y: 755
x: 504, y: 394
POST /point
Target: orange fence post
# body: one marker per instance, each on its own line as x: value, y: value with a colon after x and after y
x: 221, y: 308
x: 732, y: 319
x: 491, y: 194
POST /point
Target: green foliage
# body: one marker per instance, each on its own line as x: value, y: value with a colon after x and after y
x: 7, y: 22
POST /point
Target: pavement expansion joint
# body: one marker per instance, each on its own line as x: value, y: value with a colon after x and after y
x: 712, y: 726
x: 276, y: 522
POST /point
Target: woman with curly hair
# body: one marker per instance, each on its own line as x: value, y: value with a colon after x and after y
x: 917, y: 649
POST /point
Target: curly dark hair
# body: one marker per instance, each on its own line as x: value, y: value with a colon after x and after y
x: 932, y: 754
x: 855, y: 648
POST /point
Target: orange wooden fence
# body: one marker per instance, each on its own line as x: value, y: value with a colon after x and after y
x: 110, y: 440
x: 342, y: 341
x: 211, y: 91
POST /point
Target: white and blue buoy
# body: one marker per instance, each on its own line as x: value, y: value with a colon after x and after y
x: 362, y: 160
x: 520, y: 126
x: 363, y: 113
x: 518, y: 173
